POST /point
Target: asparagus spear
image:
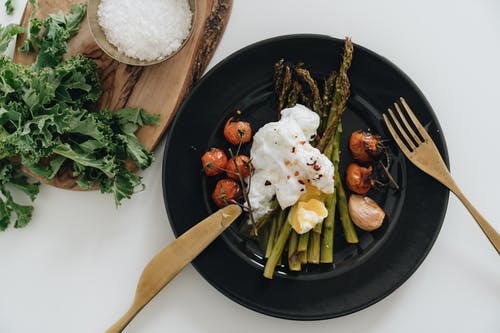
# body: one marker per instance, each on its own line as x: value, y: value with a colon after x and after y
x: 302, y: 247
x: 278, y: 247
x: 282, y: 215
x: 313, y: 247
x: 303, y: 256
x: 287, y: 83
x: 331, y: 203
x: 316, y: 98
x: 271, y: 236
x: 347, y: 225
x: 268, y: 216
x: 303, y: 240
x: 329, y: 87
x: 293, y: 257
x: 326, y: 251
x: 293, y: 97
x: 278, y: 76
x: 340, y: 96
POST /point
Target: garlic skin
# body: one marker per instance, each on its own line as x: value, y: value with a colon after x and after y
x: 365, y: 212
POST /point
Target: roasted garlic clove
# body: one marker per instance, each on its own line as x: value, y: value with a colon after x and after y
x: 365, y: 212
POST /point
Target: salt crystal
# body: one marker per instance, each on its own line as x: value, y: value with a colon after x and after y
x: 147, y: 30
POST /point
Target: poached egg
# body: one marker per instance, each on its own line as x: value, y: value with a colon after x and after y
x: 287, y: 166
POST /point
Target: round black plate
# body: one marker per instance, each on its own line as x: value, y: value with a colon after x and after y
x: 364, y: 273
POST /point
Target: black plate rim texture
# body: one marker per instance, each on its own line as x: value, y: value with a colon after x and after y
x: 262, y: 308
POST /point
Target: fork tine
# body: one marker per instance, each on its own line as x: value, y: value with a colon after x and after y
x: 417, y: 123
x: 407, y: 125
x: 409, y: 142
x: 395, y: 135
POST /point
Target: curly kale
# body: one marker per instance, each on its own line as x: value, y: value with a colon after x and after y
x: 12, y: 178
x: 46, y: 120
x: 9, y: 7
x: 49, y: 125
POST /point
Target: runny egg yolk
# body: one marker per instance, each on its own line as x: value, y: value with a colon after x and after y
x: 310, y: 210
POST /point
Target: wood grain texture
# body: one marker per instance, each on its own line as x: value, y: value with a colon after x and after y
x: 159, y: 89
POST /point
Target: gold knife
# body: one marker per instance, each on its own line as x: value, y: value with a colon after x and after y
x: 166, y: 264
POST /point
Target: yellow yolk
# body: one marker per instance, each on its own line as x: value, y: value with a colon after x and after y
x: 310, y: 210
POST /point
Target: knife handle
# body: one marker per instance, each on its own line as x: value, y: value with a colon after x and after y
x: 167, y: 263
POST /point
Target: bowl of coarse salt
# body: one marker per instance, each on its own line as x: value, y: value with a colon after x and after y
x: 141, y: 32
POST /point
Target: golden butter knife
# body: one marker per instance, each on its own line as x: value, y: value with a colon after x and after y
x: 166, y: 264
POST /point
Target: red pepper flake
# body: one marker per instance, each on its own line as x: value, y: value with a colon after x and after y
x: 302, y: 142
x: 288, y: 177
x: 301, y: 182
x: 296, y: 173
x: 316, y: 167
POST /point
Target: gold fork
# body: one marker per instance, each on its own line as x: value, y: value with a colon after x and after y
x: 421, y: 151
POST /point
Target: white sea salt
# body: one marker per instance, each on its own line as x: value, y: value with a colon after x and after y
x: 147, y: 30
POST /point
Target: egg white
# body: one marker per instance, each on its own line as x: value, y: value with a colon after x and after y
x: 284, y: 161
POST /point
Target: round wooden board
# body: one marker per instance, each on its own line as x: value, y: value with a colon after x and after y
x: 158, y: 89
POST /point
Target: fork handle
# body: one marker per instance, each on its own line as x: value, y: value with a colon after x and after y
x: 489, y: 231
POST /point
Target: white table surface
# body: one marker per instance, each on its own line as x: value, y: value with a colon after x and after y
x: 74, y: 268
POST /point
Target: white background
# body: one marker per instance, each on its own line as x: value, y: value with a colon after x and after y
x: 75, y: 267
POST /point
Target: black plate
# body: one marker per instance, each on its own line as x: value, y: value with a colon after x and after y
x: 363, y: 274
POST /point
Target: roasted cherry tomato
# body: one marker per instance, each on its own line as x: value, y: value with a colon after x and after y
x: 241, y: 163
x: 359, y: 178
x: 364, y: 146
x: 237, y: 131
x: 214, y: 161
x: 226, y: 191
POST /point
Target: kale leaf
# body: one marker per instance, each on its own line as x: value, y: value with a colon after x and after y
x: 46, y: 120
x: 51, y: 41
x: 49, y: 125
x: 11, y: 177
x: 9, y: 7
x: 49, y: 37
x: 7, y: 33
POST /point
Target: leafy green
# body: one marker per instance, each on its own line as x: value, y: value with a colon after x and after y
x: 12, y: 177
x: 50, y: 36
x: 28, y: 45
x: 7, y: 33
x: 129, y: 121
x: 46, y: 120
x: 49, y: 125
x: 9, y: 7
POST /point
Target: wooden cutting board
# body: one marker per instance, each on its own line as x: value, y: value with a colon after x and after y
x: 158, y: 89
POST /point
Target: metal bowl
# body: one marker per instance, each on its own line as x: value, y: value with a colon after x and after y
x: 112, y: 51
